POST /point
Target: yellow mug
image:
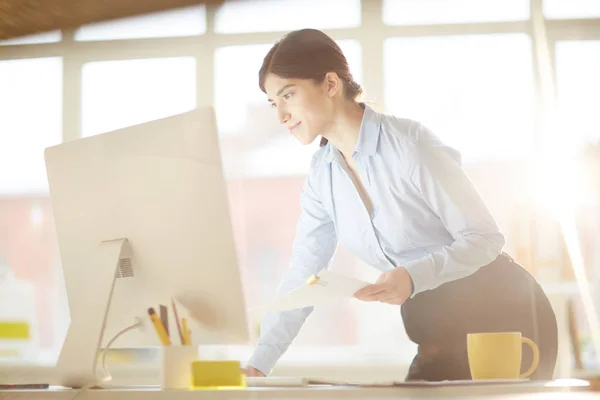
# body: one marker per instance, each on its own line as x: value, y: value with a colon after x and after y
x: 498, y: 355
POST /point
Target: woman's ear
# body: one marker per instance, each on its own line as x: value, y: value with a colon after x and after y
x: 333, y: 84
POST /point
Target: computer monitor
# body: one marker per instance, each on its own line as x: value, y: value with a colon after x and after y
x: 142, y: 216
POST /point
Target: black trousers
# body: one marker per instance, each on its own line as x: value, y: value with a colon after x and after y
x: 500, y: 297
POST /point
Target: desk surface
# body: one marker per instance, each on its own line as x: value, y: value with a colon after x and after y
x: 499, y: 392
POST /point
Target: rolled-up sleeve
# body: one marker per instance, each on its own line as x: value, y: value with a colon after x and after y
x: 313, y: 248
x: 436, y: 171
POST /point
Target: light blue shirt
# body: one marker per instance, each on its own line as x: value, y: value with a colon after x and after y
x: 427, y: 217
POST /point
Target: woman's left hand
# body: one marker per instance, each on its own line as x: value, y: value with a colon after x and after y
x: 392, y: 287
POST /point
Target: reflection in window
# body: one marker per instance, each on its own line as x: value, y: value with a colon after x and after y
x: 419, y: 12
x: 474, y: 92
x: 188, y: 21
x: 578, y: 87
x: 117, y: 94
x: 244, y: 16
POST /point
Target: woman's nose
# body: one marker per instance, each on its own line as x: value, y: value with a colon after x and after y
x: 283, y: 115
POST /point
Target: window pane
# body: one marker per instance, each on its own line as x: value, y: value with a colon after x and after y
x: 31, y: 289
x: 116, y: 94
x: 578, y: 87
x: 31, y: 104
x: 285, y: 15
x: 561, y: 9
x: 578, y: 92
x: 474, y: 92
x: 419, y: 12
x: 47, y: 37
x: 188, y: 21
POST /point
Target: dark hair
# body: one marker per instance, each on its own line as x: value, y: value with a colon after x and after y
x: 308, y: 54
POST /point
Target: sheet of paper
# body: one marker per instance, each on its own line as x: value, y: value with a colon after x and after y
x: 281, y: 381
x: 330, y: 287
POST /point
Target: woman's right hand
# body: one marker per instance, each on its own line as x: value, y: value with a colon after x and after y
x: 249, y: 371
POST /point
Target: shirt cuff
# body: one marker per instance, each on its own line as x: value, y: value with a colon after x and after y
x: 264, y: 358
x: 421, y: 273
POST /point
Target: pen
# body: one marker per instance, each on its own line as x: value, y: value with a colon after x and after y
x: 312, y: 280
x: 159, y: 327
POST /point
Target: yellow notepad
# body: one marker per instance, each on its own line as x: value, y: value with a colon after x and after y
x: 217, y: 374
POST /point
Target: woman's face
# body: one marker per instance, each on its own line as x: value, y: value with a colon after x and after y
x: 305, y: 107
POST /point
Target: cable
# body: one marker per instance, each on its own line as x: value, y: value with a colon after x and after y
x: 107, y: 376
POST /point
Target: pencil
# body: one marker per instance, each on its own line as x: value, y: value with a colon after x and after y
x: 186, y: 332
x: 176, y: 314
x: 159, y: 327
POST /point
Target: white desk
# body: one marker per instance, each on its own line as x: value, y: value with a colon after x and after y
x: 498, y: 392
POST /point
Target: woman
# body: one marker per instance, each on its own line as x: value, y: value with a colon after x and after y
x: 395, y: 196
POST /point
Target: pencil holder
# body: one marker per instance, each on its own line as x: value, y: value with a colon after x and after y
x: 176, y: 366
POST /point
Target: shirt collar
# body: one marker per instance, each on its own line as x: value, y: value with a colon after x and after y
x: 368, y: 136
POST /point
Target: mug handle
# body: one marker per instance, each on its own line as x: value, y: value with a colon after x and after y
x: 536, y: 357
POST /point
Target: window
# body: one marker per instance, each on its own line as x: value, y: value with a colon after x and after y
x: 30, y: 293
x: 578, y: 87
x: 46, y: 37
x: 116, y: 94
x: 188, y: 21
x: 419, y: 12
x: 242, y: 16
x: 474, y: 92
x: 578, y: 93
x: 236, y: 89
x: 560, y: 9
x: 31, y: 106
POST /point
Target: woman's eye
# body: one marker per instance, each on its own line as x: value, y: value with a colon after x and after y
x: 273, y: 105
x: 287, y: 96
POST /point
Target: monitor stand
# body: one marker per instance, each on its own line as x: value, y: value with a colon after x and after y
x: 76, y: 364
